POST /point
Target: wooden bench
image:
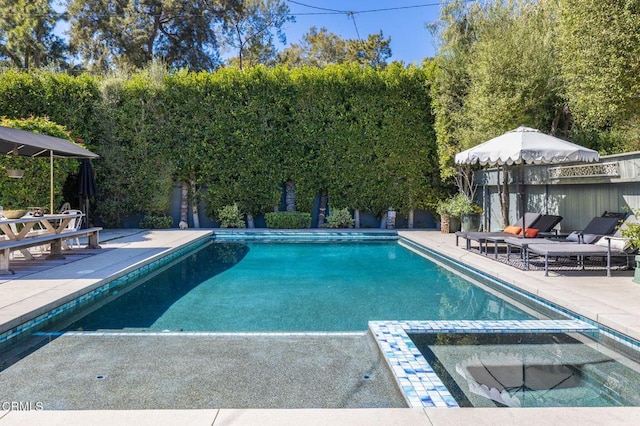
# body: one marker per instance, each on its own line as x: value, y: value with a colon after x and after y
x: 7, y: 246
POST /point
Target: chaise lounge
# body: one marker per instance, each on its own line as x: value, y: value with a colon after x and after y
x: 598, y: 226
x: 596, y: 240
x: 534, y: 224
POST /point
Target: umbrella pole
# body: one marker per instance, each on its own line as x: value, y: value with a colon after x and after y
x: 523, y: 201
x: 51, y: 181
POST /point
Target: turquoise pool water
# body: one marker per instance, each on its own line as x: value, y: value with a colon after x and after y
x: 529, y: 370
x: 243, y: 287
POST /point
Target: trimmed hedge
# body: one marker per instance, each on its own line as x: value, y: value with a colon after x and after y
x: 156, y: 222
x: 288, y: 220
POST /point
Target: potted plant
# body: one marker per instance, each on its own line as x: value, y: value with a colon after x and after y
x: 231, y: 217
x: 339, y: 218
x: 631, y: 231
x: 459, y: 210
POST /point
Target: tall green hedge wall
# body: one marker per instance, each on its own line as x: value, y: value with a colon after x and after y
x: 364, y: 135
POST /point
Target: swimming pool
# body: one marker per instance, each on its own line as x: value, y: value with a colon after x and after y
x: 265, y: 287
x: 456, y: 304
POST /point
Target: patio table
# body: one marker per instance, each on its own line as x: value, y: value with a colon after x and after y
x: 22, y: 228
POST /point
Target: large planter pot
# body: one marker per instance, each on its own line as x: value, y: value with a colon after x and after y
x: 15, y: 173
x: 449, y: 224
x: 454, y: 224
x: 636, y: 275
x: 471, y: 222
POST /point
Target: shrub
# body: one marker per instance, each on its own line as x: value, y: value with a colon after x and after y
x: 156, y: 222
x: 458, y: 205
x: 231, y: 217
x: 288, y: 220
x: 339, y: 218
x: 632, y: 231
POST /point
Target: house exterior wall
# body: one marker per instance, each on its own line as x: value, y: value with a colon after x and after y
x: 575, y: 191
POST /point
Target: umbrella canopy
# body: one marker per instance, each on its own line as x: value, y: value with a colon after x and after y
x: 28, y: 144
x: 86, y: 180
x: 525, y: 145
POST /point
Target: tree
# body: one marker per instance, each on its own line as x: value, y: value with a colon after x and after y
x: 455, y: 31
x: 249, y: 29
x: 135, y: 174
x: 599, y: 52
x: 374, y: 51
x: 131, y: 34
x: 26, y: 34
x: 321, y: 48
x: 513, y: 73
x: 497, y: 70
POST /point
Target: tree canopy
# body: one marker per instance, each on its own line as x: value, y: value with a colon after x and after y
x: 566, y: 67
x: 319, y: 48
x: 26, y: 34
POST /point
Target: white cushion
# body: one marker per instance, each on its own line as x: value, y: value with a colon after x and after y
x: 617, y: 244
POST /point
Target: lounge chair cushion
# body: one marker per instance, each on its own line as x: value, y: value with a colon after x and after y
x: 574, y: 237
x: 531, y: 232
x: 515, y: 230
x: 590, y: 238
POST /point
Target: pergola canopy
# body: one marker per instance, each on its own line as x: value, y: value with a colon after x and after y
x: 30, y: 144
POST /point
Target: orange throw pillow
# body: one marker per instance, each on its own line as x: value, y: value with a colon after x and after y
x: 515, y: 230
x: 531, y: 232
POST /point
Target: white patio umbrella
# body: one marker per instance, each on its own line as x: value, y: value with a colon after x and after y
x: 525, y: 145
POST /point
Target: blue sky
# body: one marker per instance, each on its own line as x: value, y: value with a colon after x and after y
x: 410, y: 40
x: 403, y: 20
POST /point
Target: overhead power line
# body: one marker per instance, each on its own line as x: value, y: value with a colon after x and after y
x: 337, y: 12
x: 351, y: 14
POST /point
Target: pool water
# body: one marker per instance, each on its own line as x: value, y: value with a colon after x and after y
x: 245, y: 287
x: 529, y: 370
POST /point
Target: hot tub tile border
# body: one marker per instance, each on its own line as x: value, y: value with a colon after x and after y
x: 417, y: 380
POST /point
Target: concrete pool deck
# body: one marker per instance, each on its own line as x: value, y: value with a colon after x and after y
x: 611, y: 301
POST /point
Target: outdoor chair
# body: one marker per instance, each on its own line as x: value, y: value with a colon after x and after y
x: 606, y: 248
x: 480, y: 237
x: 543, y: 227
x: 534, y: 224
x: 597, y: 227
x: 74, y: 225
x: 597, y: 239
